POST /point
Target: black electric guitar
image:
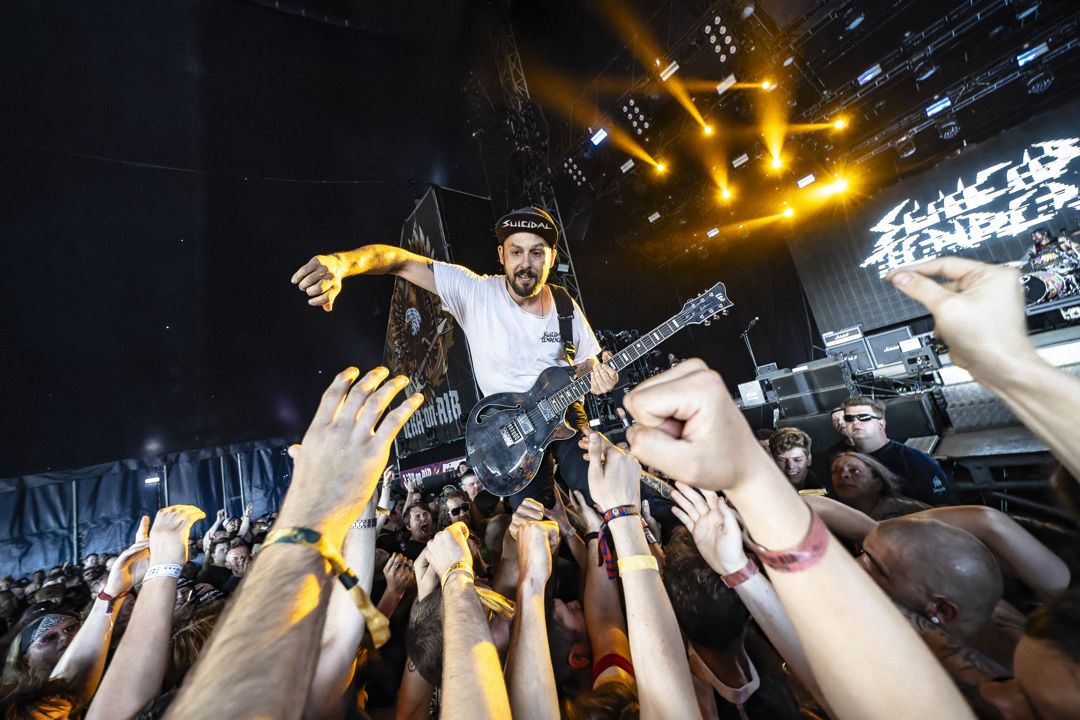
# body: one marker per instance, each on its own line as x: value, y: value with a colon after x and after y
x: 508, y: 432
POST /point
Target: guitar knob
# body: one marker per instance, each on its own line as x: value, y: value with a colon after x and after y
x: 708, y: 322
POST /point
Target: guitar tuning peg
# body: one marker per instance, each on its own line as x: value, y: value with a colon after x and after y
x: 725, y: 312
x: 708, y: 323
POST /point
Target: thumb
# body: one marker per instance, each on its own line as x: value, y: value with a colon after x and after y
x: 294, y: 451
x: 645, y: 509
x: 655, y: 447
x: 919, y: 288
x: 328, y: 306
x: 143, y: 533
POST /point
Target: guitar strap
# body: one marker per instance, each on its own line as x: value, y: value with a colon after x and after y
x: 564, y: 307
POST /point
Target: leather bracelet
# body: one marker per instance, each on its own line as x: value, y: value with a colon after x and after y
x: 806, y: 554
x: 737, y: 578
x: 634, y: 563
x: 591, y: 536
x: 111, y: 599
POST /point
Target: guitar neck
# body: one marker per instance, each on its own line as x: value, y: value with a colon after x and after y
x: 580, y: 387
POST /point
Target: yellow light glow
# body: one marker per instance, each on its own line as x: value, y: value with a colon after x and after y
x: 777, y: 163
x: 767, y: 85
x: 840, y: 185
x: 661, y: 167
x: 725, y: 194
x: 840, y: 123
x: 708, y: 130
x: 789, y: 212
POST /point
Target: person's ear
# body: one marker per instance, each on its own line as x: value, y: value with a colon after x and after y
x: 501, y: 261
x: 578, y: 660
x: 809, y: 458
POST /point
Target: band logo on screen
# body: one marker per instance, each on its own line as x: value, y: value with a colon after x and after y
x: 1005, y: 200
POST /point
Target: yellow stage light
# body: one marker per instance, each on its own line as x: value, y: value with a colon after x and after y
x: 725, y: 194
x: 777, y: 163
x: 767, y: 85
x: 840, y: 123
x: 789, y: 212
x: 708, y: 130
x: 661, y: 167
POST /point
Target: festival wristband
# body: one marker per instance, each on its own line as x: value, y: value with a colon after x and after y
x: 459, y: 566
x: 806, y: 554
x: 375, y: 621
x: 606, y: 556
x: 589, y: 537
x: 367, y: 523
x: 380, y: 510
x: 170, y: 570
x: 635, y: 563
x: 110, y: 599
x: 737, y: 578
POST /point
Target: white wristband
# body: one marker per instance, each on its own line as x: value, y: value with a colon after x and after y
x: 166, y: 570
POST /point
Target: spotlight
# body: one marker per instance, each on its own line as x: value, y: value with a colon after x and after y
x: 789, y: 212
x: 661, y: 167
x: 747, y: 11
x: 713, y: 232
x: 669, y: 71
x: 724, y: 84
x: 788, y: 60
x: 1026, y: 9
x: 152, y: 479
x: 840, y: 123
x: 707, y: 129
x: 767, y: 85
x: 869, y: 75
x: 938, y: 106
x: 837, y: 186
x: 906, y: 148
x: 654, y: 217
x: 924, y: 71
x: 948, y: 129
x: 598, y: 136
x: 1040, y: 83
x: 627, y: 166
x: 804, y: 181
x: 725, y: 194
x: 777, y: 163
x: 1025, y: 57
x: 741, y: 160
x: 856, y: 21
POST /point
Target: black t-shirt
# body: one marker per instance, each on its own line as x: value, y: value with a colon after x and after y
x: 413, y: 549
x: 924, y: 479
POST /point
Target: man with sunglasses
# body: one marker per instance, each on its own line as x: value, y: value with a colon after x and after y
x: 924, y: 479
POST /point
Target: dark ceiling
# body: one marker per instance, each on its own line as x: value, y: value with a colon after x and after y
x: 169, y: 164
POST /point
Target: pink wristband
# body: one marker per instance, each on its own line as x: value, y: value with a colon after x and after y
x: 747, y: 571
x: 806, y: 554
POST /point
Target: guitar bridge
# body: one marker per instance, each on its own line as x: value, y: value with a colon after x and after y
x: 514, y: 431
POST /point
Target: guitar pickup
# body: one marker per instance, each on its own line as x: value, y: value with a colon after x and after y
x: 511, y: 434
x: 547, y: 410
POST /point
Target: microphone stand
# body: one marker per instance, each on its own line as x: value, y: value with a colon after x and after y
x: 746, y: 339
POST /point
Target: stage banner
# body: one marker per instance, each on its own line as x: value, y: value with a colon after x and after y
x: 425, y: 344
x: 982, y: 203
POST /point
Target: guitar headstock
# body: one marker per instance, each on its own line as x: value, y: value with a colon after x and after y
x: 706, y: 306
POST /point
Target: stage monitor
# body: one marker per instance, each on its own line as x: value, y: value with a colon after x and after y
x: 885, y: 347
x: 981, y: 204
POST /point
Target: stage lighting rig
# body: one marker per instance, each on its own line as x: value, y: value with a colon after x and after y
x: 719, y: 37
x: 633, y: 112
x: 948, y: 128
x: 1040, y: 82
x: 576, y: 174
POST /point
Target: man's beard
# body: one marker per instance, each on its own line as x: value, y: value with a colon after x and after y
x: 525, y: 283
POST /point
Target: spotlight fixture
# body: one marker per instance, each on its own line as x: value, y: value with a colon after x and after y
x: 856, y: 21
x: 712, y: 232
x: 151, y: 479
x: 636, y: 116
x: 1027, y: 56
x: 661, y: 167
x: 905, y: 148
x: 924, y: 71
x: 789, y: 212
x: 747, y: 11
x: 707, y: 129
x: 1040, y: 82
x: 718, y: 36
x: 670, y: 70
x: 627, y: 166
x: 948, y: 129
x: 806, y: 180
x: 741, y: 160
x: 598, y: 136
x: 788, y: 61
x: 577, y: 175
x: 1026, y: 9
x: 654, y: 217
x: 725, y: 84
x: 869, y: 74
x: 767, y: 85
x: 840, y: 123
x: 938, y: 106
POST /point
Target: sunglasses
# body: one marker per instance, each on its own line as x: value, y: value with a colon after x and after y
x: 862, y: 417
x: 460, y: 509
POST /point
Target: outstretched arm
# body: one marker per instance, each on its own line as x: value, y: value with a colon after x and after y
x: 689, y: 427
x: 261, y: 658
x: 321, y: 277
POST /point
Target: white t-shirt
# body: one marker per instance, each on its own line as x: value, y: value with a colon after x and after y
x: 509, y: 347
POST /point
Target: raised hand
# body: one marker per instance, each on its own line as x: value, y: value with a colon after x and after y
x: 248, y: 509
x: 426, y: 577
x: 614, y: 475
x: 978, y: 311
x: 561, y: 514
x: 689, y: 428
x: 320, y: 278
x: 650, y: 521
x: 529, y: 510
x: 590, y: 517
x: 399, y: 574
x: 222, y: 515
x: 449, y: 546
x: 170, y: 531
x: 537, y: 540
x: 130, y: 565
x: 345, y: 449
x: 714, y: 527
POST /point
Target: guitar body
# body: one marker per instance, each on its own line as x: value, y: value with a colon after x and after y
x: 507, y: 433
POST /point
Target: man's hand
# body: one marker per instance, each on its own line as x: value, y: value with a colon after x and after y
x: 321, y: 279
x: 344, y: 450
x: 529, y: 510
x: 449, y: 546
x: 714, y: 527
x: 122, y: 576
x: 170, y: 531
x: 978, y: 311
x: 248, y: 509
x: 426, y: 577
x: 689, y: 428
x: 222, y: 515
x: 614, y: 475
x: 604, y: 378
x: 399, y: 574
x: 537, y: 540
x: 589, y: 516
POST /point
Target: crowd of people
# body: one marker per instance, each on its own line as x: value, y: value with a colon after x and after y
x: 757, y: 590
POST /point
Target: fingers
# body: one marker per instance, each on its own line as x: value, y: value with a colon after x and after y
x: 334, y: 396
x: 693, y: 497
x: 684, y: 368
x: 683, y: 517
x: 314, y: 279
x: 678, y: 398
x: 308, y: 268
x: 359, y: 393
x: 645, y: 512
x: 376, y: 405
x: 921, y: 289
x: 395, y: 419
x: 143, y: 533
x: 684, y: 503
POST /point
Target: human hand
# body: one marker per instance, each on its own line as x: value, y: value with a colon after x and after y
x: 222, y: 515
x: 248, y: 509
x: 650, y: 521
x: 604, y: 378
x: 978, y: 312
x: 689, y: 428
x: 321, y: 279
x: 561, y: 515
x: 426, y: 577
x: 169, y: 533
x: 344, y: 450
x: 529, y: 510
x: 399, y: 574
x: 384, y: 490
x: 592, y: 519
x: 537, y: 540
x: 134, y: 559
x: 614, y: 475
x: 714, y: 527
x: 449, y: 546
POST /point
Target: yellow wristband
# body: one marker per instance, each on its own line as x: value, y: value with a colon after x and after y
x: 459, y: 566
x: 638, y: 562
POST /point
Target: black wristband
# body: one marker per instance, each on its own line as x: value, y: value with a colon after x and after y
x: 591, y: 536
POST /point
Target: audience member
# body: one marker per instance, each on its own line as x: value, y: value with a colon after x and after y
x: 790, y: 448
x: 868, y: 486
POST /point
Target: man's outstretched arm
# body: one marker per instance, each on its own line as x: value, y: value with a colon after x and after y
x: 321, y: 277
